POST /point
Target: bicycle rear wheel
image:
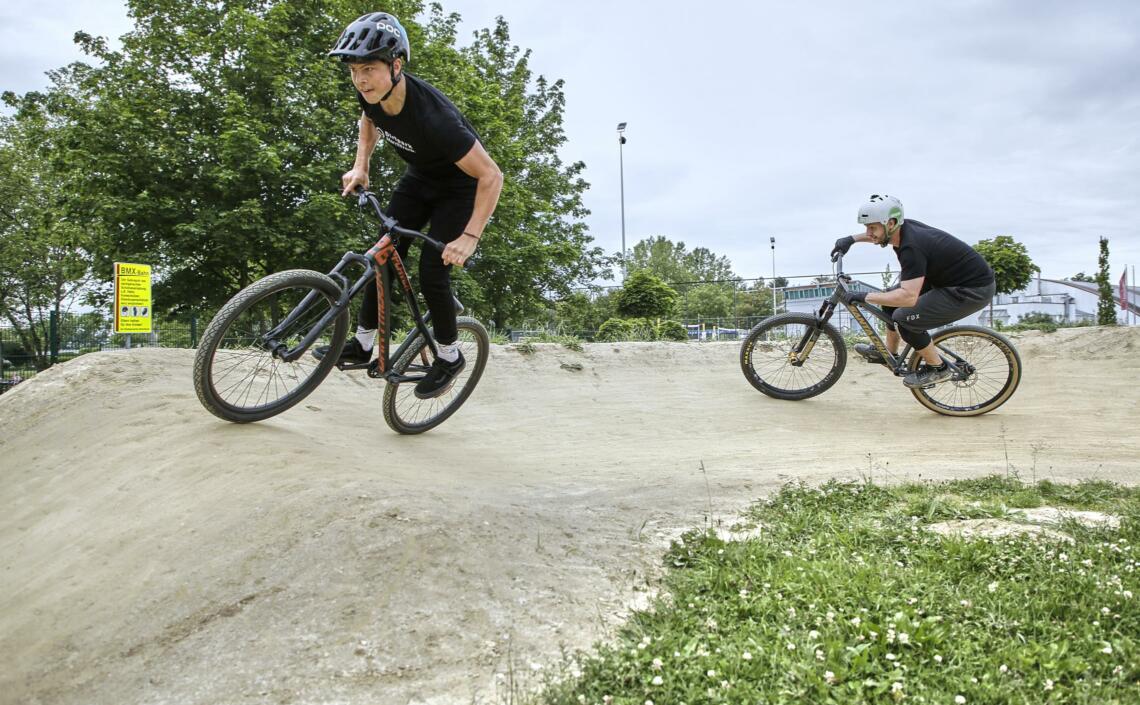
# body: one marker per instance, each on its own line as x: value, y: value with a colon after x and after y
x: 236, y: 373
x: 408, y: 414
x: 991, y: 372
x: 768, y: 357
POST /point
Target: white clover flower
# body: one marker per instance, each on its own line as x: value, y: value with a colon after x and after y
x: 747, y: 656
x: 791, y: 646
x: 711, y: 673
x: 657, y: 664
x: 829, y: 676
x: 813, y: 634
x: 787, y: 554
x: 937, y: 658
x: 1118, y: 670
x: 743, y: 592
x: 1128, y: 594
x: 582, y: 699
x: 818, y: 654
x: 1003, y: 668
x: 831, y: 615
x: 1107, y: 649
x: 892, y: 657
x: 896, y: 687
x: 965, y: 603
x: 720, y: 552
x: 607, y: 700
x: 992, y: 587
x: 855, y: 621
x: 657, y: 680
x: 1048, y: 684
x: 904, y: 638
x: 648, y: 702
x: 960, y: 699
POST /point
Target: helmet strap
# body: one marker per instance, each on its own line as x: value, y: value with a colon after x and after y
x: 395, y: 80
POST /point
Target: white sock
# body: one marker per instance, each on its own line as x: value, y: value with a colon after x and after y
x: 449, y: 353
x: 366, y: 337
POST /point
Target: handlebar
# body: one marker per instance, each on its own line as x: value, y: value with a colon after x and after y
x: 389, y: 225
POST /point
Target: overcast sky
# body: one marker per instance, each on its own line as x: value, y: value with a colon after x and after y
x: 749, y: 120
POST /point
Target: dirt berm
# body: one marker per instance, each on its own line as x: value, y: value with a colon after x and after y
x: 152, y: 553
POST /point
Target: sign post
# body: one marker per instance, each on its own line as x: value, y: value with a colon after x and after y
x: 132, y: 298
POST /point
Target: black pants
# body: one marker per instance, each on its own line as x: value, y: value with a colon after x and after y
x: 415, y: 204
x: 937, y: 308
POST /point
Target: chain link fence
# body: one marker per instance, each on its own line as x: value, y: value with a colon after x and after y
x: 29, y: 349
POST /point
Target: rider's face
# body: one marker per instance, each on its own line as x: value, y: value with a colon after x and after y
x: 876, y: 232
x: 373, y: 79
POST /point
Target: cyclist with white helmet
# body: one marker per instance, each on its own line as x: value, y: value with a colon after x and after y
x: 942, y: 280
x: 451, y: 183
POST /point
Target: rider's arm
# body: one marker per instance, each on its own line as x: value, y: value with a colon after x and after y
x: 479, y: 165
x: 365, y: 143
x: 906, y: 295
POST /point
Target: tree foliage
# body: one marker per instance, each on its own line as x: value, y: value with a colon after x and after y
x: 1013, y: 269
x: 1106, y: 305
x: 644, y: 295
x: 211, y: 145
x: 672, y: 262
x: 45, y: 243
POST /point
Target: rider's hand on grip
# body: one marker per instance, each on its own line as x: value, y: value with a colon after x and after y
x: 842, y: 245
x: 353, y: 181
x: 860, y: 296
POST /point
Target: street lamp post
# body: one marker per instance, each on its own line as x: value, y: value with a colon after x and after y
x: 621, y: 168
x: 773, y: 241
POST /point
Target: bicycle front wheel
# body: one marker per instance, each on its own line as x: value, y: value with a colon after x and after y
x: 991, y: 371
x: 236, y: 373
x: 408, y: 414
x: 770, y: 362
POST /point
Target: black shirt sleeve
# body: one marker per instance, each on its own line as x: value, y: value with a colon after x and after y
x: 912, y: 262
x: 451, y: 135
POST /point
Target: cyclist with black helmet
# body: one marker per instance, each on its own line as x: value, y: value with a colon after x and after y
x: 942, y: 280
x: 451, y: 183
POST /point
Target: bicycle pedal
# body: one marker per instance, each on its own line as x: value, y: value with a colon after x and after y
x: 355, y: 366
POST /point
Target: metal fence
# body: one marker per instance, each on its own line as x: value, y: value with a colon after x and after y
x: 32, y: 348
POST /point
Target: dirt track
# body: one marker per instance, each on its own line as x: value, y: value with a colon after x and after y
x: 152, y: 553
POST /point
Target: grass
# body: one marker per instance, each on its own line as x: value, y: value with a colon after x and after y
x: 845, y: 598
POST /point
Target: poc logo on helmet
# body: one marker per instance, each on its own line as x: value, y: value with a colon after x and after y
x: 389, y: 28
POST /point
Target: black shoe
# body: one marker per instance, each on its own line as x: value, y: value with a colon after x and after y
x: 439, y: 378
x: 352, y: 354
x: 928, y: 376
x: 870, y: 353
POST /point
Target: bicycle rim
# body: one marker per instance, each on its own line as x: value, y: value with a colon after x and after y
x: 993, y: 378
x: 238, y: 376
x: 408, y: 414
x: 768, y: 358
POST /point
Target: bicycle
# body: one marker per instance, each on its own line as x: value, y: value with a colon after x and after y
x: 251, y: 362
x: 796, y: 356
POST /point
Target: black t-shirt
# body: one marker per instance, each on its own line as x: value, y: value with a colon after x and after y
x: 429, y: 133
x: 943, y: 259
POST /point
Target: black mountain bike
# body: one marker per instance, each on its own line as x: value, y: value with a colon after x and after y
x: 799, y: 355
x: 253, y: 361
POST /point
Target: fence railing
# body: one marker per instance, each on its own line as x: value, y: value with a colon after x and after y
x: 28, y: 350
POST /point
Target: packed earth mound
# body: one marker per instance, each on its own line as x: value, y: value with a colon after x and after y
x: 152, y: 553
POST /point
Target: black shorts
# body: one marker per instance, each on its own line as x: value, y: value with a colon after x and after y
x: 937, y: 308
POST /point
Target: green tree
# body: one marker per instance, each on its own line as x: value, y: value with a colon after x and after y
x: 1013, y: 269
x: 1106, y: 305
x: 708, y: 301
x: 1082, y: 277
x: 672, y: 262
x: 44, y: 243
x: 644, y: 295
x: 214, y: 140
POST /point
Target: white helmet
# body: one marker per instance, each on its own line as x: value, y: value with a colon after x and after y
x: 881, y: 209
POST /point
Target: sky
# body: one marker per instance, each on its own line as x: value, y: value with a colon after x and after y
x: 752, y: 120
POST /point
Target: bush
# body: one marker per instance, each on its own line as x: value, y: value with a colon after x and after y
x: 614, y: 329
x: 671, y: 330
x: 627, y: 329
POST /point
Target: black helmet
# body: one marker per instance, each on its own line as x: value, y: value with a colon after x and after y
x: 376, y: 36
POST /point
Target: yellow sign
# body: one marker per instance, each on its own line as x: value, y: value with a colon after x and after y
x: 132, y: 298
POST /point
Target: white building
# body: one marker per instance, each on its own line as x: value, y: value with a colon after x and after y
x: 1064, y: 300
